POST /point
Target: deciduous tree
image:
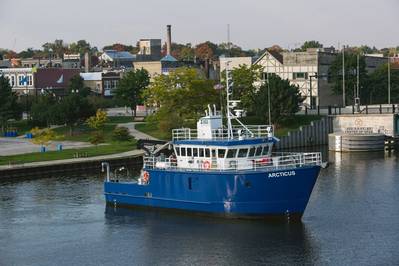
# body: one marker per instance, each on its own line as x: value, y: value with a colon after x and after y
x: 131, y: 86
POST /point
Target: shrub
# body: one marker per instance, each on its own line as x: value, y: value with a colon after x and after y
x: 121, y: 134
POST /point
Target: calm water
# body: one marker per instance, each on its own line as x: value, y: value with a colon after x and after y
x: 352, y: 219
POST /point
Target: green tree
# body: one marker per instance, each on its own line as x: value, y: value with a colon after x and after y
x: 377, y: 86
x: 9, y: 108
x: 181, y: 97
x: 335, y: 75
x: 131, y: 86
x: 44, y: 111
x: 245, y: 79
x: 285, y: 100
x: 76, y: 85
x: 310, y: 44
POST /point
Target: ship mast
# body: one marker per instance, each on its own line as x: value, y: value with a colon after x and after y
x: 231, y: 104
x: 229, y: 92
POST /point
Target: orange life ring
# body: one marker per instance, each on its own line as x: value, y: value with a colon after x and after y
x: 146, y: 177
x: 206, y: 165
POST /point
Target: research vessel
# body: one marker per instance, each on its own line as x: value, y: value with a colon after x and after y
x: 227, y: 171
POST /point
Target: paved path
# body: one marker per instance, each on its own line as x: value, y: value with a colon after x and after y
x: 13, y: 146
x: 134, y: 132
x: 133, y: 153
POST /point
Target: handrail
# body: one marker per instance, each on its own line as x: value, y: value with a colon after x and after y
x: 239, y: 132
x: 278, y: 161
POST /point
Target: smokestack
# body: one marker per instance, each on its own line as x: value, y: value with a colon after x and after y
x: 168, y: 39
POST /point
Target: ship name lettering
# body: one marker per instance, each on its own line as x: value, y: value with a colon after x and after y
x: 279, y: 174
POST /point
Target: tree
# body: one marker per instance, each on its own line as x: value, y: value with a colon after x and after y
x: 205, y: 50
x: 43, y: 137
x: 76, y: 85
x: 244, y: 84
x: 80, y: 47
x: 377, y: 86
x: 181, y: 97
x: 310, y: 44
x: 97, y: 121
x: 44, y: 111
x: 130, y: 88
x: 335, y: 75
x: 9, y: 108
x: 285, y: 99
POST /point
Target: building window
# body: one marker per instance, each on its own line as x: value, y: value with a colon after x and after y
x: 107, y: 84
x: 300, y: 75
x: 30, y: 80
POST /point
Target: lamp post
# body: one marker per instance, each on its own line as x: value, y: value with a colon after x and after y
x: 26, y: 93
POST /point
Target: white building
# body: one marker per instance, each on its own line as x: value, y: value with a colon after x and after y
x: 308, y: 70
x: 234, y: 62
x: 21, y: 79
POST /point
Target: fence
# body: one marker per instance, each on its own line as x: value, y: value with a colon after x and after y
x: 363, y: 109
x: 310, y: 135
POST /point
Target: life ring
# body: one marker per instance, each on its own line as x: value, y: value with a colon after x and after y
x: 146, y: 177
x: 206, y: 165
x: 263, y: 161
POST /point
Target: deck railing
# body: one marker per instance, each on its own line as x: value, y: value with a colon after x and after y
x: 239, y: 132
x: 278, y: 161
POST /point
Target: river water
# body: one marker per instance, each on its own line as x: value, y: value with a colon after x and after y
x: 352, y: 219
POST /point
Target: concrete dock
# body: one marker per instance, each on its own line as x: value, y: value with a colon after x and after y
x: 81, y: 165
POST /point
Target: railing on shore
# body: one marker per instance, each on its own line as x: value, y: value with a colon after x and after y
x: 278, y: 161
x: 239, y: 132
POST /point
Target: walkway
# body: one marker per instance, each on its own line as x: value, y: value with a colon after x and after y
x: 13, y: 146
x: 135, y: 133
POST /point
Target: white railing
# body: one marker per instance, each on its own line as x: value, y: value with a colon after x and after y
x: 239, y: 132
x: 278, y: 161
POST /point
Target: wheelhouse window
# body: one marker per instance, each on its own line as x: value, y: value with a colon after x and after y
x: 231, y: 153
x: 213, y: 151
x: 201, y: 152
x: 183, y: 151
x: 195, y: 152
x: 265, y: 150
x: 207, y: 153
x: 242, y: 153
x: 177, y: 150
x: 252, y: 152
x: 189, y: 152
x: 221, y: 153
x: 258, y: 151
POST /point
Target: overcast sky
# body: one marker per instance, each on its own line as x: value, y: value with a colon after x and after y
x: 253, y: 23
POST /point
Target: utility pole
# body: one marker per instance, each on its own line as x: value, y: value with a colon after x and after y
x: 268, y: 98
x: 357, y: 77
x: 343, y: 76
x: 389, y: 80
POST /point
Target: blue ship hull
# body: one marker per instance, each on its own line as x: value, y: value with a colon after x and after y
x: 249, y: 194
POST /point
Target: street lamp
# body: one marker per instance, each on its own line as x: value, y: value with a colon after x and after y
x: 26, y: 93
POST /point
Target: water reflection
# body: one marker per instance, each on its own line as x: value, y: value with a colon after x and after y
x: 185, y: 239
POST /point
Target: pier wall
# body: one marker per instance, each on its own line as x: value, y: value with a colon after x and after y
x: 310, y: 135
x: 67, y: 167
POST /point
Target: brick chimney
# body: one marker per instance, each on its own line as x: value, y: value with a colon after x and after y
x: 168, y: 39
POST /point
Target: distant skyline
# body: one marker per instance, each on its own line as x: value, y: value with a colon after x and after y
x: 253, y: 23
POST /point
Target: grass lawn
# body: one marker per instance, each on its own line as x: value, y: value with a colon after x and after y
x: 80, y: 133
x: 290, y: 124
x: 109, y: 148
x: 153, y: 130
